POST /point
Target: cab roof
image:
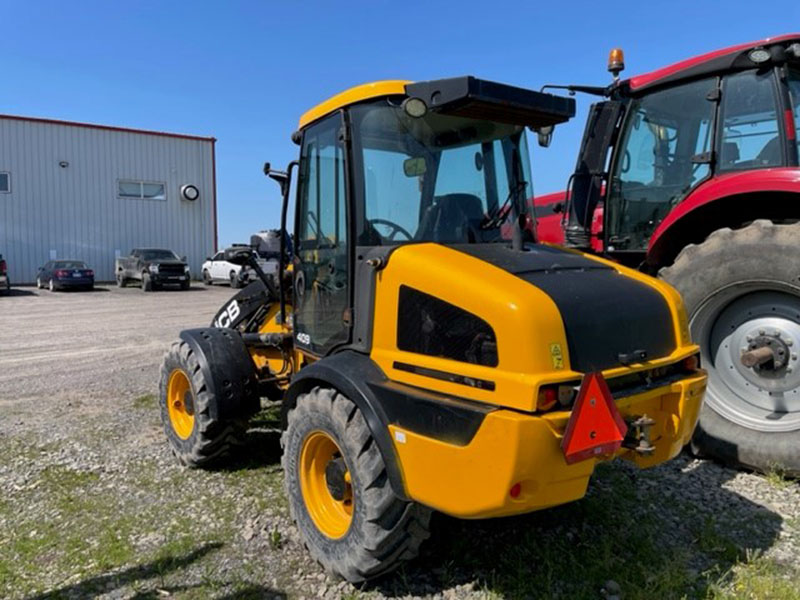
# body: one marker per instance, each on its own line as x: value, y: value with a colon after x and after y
x: 465, y: 96
x: 710, y: 62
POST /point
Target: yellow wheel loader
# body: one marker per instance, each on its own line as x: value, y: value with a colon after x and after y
x: 428, y: 353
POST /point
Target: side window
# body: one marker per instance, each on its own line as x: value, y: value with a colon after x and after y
x: 5, y: 183
x: 217, y: 256
x: 750, y: 134
x: 321, y: 275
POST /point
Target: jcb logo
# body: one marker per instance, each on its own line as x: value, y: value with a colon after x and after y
x: 229, y: 315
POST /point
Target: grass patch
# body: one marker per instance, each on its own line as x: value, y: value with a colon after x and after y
x: 148, y: 401
x: 776, y: 476
x: 757, y: 578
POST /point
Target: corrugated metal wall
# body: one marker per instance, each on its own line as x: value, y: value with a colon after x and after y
x: 75, y: 211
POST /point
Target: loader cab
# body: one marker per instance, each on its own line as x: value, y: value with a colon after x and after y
x: 395, y: 163
x: 657, y: 139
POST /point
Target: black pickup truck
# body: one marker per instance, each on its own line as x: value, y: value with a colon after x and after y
x: 153, y: 268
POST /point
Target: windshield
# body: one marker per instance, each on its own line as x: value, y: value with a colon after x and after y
x: 437, y: 178
x: 158, y: 255
x: 69, y: 264
x: 662, y: 155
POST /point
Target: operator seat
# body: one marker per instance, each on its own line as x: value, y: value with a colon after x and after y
x: 451, y: 218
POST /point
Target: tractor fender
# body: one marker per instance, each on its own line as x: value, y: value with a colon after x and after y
x: 228, y: 371
x: 727, y: 200
x: 351, y: 373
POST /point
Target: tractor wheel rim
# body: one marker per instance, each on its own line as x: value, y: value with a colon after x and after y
x: 332, y: 517
x: 180, y: 403
x: 740, y: 318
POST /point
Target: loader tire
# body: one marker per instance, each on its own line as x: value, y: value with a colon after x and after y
x: 196, y: 439
x: 742, y: 291
x: 339, y: 492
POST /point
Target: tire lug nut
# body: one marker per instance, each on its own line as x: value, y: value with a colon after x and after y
x: 760, y: 332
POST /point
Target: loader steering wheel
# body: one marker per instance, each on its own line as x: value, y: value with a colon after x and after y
x: 394, y: 229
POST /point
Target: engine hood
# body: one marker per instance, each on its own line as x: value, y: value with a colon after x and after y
x: 607, y: 315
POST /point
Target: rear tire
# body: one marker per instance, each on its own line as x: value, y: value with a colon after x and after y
x: 39, y: 284
x: 196, y: 439
x: 741, y: 291
x: 234, y: 280
x: 121, y: 281
x: 51, y: 286
x: 147, y: 282
x: 377, y: 531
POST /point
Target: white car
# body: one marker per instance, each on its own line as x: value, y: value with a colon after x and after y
x: 216, y: 269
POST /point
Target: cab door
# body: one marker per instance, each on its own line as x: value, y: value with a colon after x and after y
x: 322, y: 258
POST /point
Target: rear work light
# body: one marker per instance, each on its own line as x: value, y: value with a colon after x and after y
x: 562, y: 395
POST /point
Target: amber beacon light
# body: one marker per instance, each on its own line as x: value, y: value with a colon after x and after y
x: 616, y: 62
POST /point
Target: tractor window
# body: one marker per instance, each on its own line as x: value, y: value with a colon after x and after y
x: 750, y: 138
x: 662, y: 155
x: 794, y: 92
x: 437, y: 178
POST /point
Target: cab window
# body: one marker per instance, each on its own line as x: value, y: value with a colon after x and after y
x: 794, y: 93
x: 750, y: 134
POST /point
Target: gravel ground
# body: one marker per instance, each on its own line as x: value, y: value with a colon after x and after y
x: 93, y: 505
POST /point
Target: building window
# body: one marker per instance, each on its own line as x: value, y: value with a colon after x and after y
x: 5, y: 183
x: 141, y: 190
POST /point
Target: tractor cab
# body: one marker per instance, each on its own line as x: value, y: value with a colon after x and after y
x: 662, y: 135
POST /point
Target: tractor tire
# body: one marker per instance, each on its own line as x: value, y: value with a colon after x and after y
x: 339, y: 493
x: 234, y: 280
x: 196, y: 439
x: 147, y: 282
x: 742, y: 292
x: 121, y: 280
x: 206, y: 277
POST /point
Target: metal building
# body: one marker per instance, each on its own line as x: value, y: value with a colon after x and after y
x: 92, y: 192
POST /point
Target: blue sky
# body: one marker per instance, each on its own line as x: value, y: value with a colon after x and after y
x: 243, y: 72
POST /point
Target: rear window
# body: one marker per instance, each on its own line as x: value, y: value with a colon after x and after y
x: 69, y: 264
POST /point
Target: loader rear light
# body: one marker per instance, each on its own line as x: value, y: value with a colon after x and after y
x: 515, y: 490
x: 691, y: 363
x: 548, y: 396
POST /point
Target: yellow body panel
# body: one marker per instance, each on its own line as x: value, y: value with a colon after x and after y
x: 355, y: 94
x: 474, y: 481
x: 514, y: 444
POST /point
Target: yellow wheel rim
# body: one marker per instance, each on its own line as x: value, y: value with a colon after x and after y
x: 332, y: 516
x: 180, y: 403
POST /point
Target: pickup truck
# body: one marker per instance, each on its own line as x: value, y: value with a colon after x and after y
x: 153, y: 268
x: 5, y: 284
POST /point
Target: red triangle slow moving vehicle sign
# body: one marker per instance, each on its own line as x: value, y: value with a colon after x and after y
x: 596, y: 427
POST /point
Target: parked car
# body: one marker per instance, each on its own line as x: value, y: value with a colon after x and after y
x: 152, y: 268
x: 5, y: 284
x: 62, y: 274
x: 216, y: 269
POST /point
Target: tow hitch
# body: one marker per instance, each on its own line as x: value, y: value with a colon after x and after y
x: 638, y: 435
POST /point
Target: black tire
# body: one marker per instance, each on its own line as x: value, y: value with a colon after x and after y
x: 147, y: 282
x: 234, y: 280
x: 39, y: 284
x: 206, y: 277
x: 384, y: 531
x: 121, y: 280
x: 185, y: 285
x: 51, y: 285
x: 211, y: 440
x: 752, y: 265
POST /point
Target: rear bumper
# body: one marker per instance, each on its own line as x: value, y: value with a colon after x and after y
x: 474, y: 481
x: 69, y: 282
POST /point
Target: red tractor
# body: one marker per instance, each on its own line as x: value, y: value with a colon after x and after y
x: 691, y: 172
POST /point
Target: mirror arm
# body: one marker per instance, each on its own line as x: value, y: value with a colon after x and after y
x: 285, y: 182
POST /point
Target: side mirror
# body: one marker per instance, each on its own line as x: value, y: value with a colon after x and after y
x: 545, y: 135
x: 183, y: 258
x: 208, y: 258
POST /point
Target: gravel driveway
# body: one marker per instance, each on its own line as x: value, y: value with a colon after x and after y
x: 93, y: 505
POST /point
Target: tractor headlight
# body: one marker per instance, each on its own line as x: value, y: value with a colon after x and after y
x: 153, y: 268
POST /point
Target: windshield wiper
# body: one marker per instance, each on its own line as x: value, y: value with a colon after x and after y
x: 496, y: 217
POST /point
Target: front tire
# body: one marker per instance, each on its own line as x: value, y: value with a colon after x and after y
x: 196, y: 439
x: 741, y: 292
x: 121, y: 281
x: 234, y: 280
x: 339, y: 492
x: 206, y: 277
